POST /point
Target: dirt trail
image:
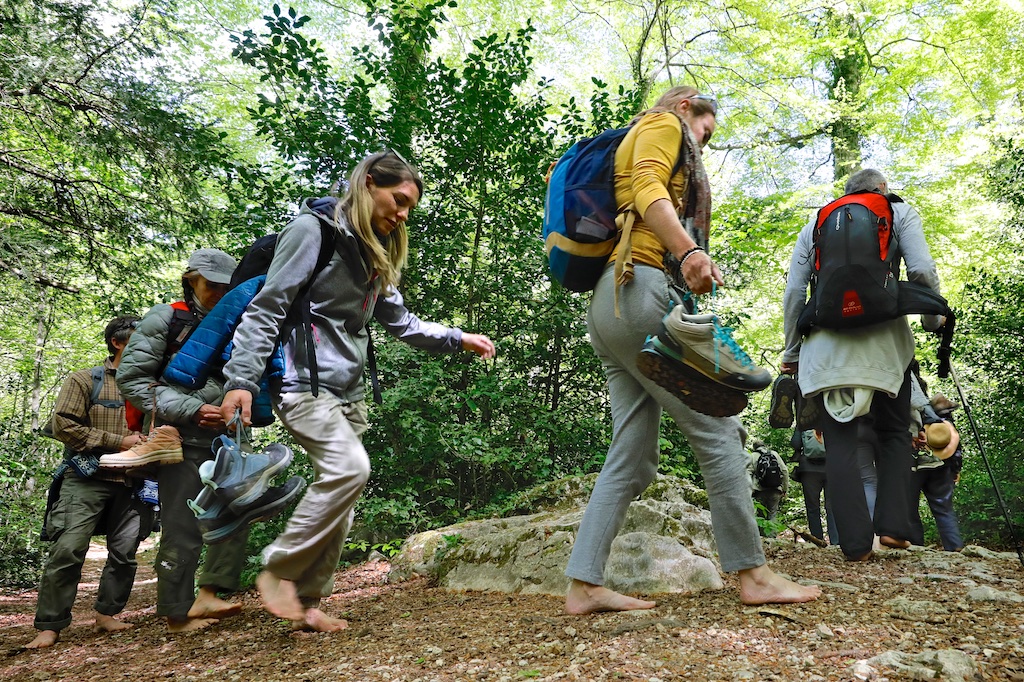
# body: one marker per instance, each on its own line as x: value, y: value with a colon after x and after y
x: 411, y: 631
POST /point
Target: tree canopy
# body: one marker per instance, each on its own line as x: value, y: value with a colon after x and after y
x: 133, y: 132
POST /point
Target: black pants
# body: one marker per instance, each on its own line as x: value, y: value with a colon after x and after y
x: 890, y: 418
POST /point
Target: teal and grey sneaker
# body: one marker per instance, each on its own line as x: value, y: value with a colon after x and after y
x: 662, y: 363
x: 709, y: 348
x: 217, y: 522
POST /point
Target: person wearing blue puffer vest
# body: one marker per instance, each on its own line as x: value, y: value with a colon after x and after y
x: 209, y: 347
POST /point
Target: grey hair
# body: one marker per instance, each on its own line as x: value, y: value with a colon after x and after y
x: 866, y: 180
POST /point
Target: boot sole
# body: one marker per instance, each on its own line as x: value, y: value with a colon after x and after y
x: 156, y: 457
x: 693, y: 388
x: 783, y: 409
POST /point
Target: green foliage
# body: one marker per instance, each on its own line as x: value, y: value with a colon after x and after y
x: 454, y: 434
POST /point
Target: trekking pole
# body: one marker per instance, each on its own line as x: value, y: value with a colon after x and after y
x: 946, y: 369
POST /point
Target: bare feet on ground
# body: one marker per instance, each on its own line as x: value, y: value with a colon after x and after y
x: 279, y: 597
x: 318, y: 621
x: 584, y: 598
x: 176, y: 625
x: 209, y: 605
x: 106, y: 623
x: 892, y: 542
x: 762, y: 585
x: 44, y: 639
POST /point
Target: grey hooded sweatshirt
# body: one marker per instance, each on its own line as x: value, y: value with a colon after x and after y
x: 344, y: 297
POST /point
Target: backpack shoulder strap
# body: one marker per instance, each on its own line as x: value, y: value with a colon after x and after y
x: 183, y: 323
x: 98, y: 373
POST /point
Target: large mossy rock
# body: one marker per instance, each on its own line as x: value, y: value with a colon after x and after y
x: 665, y: 544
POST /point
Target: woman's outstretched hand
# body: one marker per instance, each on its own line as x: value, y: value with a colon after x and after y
x: 479, y: 344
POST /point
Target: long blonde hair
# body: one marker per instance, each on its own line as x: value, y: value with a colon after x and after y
x: 671, y: 99
x: 388, y: 255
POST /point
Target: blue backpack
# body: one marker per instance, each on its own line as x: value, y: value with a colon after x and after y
x: 580, y: 212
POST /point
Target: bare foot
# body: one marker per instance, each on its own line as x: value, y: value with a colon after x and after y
x: 209, y: 605
x: 318, y: 621
x: 176, y: 625
x: 894, y: 543
x: 44, y: 639
x: 584, y: 598
x: 762, y: 585
x: 862, y: 557
x: 106, y: 623
x: 279, y: 597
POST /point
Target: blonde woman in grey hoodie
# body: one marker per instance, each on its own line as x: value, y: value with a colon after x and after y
x: 359, y: 283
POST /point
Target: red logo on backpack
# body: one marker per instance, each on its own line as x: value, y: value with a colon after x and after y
x: 851, y: 304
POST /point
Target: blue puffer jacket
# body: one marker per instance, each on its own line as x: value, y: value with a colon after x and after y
x: 209, y: 347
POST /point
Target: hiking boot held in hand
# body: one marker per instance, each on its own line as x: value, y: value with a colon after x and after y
x: 783, y: 409
x: 662, y: 363
x: 241, y: 478
x: 162, y: 446
x: 926, y: 460
x: 708, y: 347
x: 217, y: 522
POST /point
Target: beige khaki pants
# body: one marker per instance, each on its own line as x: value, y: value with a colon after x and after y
x: 307, y: 552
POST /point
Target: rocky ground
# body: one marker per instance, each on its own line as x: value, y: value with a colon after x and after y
x: 940, y: 615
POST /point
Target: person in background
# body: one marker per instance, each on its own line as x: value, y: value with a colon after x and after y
x: 809, y: 454
x: 103, y: 502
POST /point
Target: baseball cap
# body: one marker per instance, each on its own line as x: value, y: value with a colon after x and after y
x: 213, y: 264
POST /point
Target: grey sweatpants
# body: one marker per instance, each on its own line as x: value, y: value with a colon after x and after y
x: 632, y: 460
x: 307, y: 552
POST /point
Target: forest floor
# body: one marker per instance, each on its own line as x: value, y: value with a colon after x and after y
x: 412, y: 631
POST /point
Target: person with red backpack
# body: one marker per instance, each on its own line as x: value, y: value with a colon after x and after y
x: 189, y: 421
x: 853, y: 345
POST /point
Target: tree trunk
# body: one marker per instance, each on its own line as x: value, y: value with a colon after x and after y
x: 847, y: 72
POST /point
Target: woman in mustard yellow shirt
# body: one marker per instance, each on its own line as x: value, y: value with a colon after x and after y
x: 681, y: 120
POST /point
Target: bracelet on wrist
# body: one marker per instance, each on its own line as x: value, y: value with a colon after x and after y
x: 687, y: 254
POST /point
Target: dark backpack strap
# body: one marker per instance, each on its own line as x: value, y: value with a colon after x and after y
x: 328, y: 241
x: 371, y: 362
x: 328, y: 244
x: 98, y: 373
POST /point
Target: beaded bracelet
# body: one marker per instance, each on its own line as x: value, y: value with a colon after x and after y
x: 686, y: 255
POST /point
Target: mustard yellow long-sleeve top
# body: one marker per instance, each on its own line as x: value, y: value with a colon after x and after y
x: 643, y: 162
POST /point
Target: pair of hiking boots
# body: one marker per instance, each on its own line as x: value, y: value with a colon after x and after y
x: 789, y: 405
x: 236, y: 485
x: 237, y: 489
x: 696, y: 359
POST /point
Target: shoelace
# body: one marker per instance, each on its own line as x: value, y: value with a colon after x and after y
x: 723, y: 335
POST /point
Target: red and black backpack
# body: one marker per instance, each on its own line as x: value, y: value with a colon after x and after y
x: 856, y: 264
